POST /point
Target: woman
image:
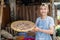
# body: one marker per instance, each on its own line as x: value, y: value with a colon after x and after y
x: 44, y: 24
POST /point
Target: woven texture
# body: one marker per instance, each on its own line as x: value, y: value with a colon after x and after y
x: 22, y: 26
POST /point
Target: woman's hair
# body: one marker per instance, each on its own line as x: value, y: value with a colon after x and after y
x: 44, y: 4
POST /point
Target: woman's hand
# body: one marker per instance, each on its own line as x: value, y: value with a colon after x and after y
x: 36, y: 29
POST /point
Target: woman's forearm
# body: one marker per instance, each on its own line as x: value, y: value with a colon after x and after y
x: 47, y: 31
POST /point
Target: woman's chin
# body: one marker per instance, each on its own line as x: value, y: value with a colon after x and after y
x: 43, y: 15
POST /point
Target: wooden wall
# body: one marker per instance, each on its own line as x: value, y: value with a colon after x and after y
x: 23, y: 13
x: 27, y: 13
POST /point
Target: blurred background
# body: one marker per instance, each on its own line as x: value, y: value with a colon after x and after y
x: 14, y: 10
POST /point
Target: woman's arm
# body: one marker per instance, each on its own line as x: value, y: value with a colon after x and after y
x: 50, y: 31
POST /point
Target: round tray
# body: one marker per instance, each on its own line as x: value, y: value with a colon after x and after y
x: 22, y: 26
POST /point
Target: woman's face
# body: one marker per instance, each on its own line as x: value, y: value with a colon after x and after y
x: 43, y: 10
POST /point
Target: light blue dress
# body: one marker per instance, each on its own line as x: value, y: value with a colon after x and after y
x: 44, y: 24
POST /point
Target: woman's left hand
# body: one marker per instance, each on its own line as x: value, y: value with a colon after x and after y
x: 36, y: 29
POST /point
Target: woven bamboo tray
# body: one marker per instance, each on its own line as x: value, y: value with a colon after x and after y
x: 22, y: 26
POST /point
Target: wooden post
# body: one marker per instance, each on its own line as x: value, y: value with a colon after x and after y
x: 1, y: 14
x: 53, y: 15
x: 1, y: 11
x: 13, y: 9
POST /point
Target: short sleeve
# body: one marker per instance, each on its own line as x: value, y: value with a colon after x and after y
x: 51, y: 22
x: 37, y: 22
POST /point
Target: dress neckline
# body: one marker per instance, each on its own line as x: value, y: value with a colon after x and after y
x: 43, y: 19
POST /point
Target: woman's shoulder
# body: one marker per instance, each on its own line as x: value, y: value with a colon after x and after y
x: 50, y: 18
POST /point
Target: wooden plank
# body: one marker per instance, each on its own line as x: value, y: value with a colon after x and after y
x: 30, y: 13
x: 20, y: 12
x: 34, y: 13
x: 23, y: 12
x: 17, y: 12
x: 26, y: 13
x: 1, y: 11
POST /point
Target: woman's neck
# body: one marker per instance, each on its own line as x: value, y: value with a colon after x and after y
x: 43, y: 17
